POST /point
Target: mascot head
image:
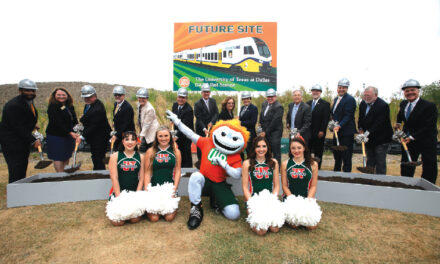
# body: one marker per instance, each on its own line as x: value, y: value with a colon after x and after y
x: 229, y: 137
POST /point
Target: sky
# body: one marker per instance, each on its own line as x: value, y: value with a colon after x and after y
x: 380, y: 43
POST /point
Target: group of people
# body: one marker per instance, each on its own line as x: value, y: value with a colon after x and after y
x: 166, y: 154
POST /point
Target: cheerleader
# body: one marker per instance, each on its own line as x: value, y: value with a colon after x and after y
x: 260, y: 172
x: 163, y: 164
x: 299, y: 174
x: 126, y: 169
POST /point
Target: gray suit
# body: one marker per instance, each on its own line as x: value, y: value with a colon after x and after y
x: 303, y: 119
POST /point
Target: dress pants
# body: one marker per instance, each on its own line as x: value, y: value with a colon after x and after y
x: 377, y: 157
x: 185, y: 150
x: 98, y: 148
x: 316, y: 146
x: 343, y: 157
x: 429, y: 158
x: 17, y: 158
x: 275, y: 144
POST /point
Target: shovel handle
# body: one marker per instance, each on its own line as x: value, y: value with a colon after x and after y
x: 337, y: 138
x: 405, y: 147
x: 209, y: 129
x: 39, y: 149
x: 112, y: 144
x: 76, y: 146
x: 363, y: 149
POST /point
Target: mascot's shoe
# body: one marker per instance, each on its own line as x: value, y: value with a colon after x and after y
x: 195, y: 216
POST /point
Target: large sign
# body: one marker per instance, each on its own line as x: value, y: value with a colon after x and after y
x: 230, y: 56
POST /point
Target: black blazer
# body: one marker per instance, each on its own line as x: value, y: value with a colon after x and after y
x: 224, y: 115
x: 95, y: 122
x: 249, y: 119
x: 186, y: 116
x: 203, y: 116
x: 303, y: 119
x: 123, y: 120
x: 422, y: 122
x: 272, y: 123
x: 344, y: 114
x: 18, y: 122
x: 377, y: 122
x: 61, y: 120
x: 320, y: 117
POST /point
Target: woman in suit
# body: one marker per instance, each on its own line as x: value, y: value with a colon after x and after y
x: 59, y: 132
x: 228, y: 106
x: 147, y: 120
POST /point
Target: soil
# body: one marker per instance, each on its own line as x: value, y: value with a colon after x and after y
x: 369, y: 182
x: 79, y: 177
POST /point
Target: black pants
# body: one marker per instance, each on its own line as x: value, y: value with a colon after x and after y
x: 98, y: 148
x: 275, y: 145
x: 185, y: 150
x: 17, y: 158
x: 429, y: 159
x: 144, y: 146
x: 377, y: 157
x: 316, y: 146
x: 116, y: 144
x: 343, y: 157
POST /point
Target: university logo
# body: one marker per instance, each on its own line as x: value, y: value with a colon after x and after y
x: 261, y: 172
x: 215, y: 153
x: 128, y: 165
x: 295, y: 173
x: 162, y: 157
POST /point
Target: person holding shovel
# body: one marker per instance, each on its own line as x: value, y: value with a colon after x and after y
x: 96, y: 127
x: 374, y: 122
x: 19, y: 119
x: 344, y: 107
x: 420, y: 127
x: 59, y: 132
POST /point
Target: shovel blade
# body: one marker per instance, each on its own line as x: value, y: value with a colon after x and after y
x: 339, y: 148
x: 42, y: 164
x: 368, y: 170
x: 412, y: 163
x: 73, y: 168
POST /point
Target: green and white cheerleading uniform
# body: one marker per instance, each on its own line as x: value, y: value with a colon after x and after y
x: 299, y: 178
x: 128, y: 171
x: 163, y: 167
x: 261, y: 178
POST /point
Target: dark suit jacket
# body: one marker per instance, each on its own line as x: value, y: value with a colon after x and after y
x: 61, y: 121
x: 422, y: 122
x: 272, y: 123
x: 344, y: 114
x: 249, y: 119
x: 95, y: 123
x: 303, y: 119
x: 203, y: 116
x: 18, y: 122
x: 320, y: 117
x: 123, y: 120
x: 187, y: 117
x: 377, y: 122
x: 224, y: 115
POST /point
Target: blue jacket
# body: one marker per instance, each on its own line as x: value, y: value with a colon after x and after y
x: 344, y: 114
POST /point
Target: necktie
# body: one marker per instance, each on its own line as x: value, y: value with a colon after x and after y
x: 368, y: 109
x: 179, y: 111
x: 33, y: 109
x: 139, y: 116
x: 267, y: 108
x: 313, y: 104
x: 207, y: 104
x: 86, y: 108
x: 243, y: 110
x: 294, y: 111
x: 116, y: 109
x: 408, y: 111
x: 336, y: 105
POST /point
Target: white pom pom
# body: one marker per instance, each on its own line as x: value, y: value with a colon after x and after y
x: 302, y: 211
x: 265, y: 210
x: 160, y: 199
x: 124, y: 207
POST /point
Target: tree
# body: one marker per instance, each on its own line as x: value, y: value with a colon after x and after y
x: 431, y: 93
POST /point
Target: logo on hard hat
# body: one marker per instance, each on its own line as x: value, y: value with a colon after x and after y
x: 184, y: 82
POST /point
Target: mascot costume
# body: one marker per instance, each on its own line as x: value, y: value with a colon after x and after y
x: 220, y: 158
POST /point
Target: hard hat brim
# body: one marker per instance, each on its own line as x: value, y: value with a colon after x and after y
x: 87, y: 95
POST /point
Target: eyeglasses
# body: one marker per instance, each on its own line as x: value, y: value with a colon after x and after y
x: 118, y: 95
x: 231, y: 103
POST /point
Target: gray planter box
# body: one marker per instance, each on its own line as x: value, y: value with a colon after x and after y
x: 24, y: 192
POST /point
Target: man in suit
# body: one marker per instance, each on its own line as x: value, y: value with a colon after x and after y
x: 96, y: 127
x: 185, y: 113
x: 248, y: 117
x: 123, y: 115
x: 299, y: 116
x: 374, y: 122
x: 344, y: 107
x: 206, y: 113
x: 420, y: 126
x: 18, y: 121
x: 271, y: 121
x: 320, y: 117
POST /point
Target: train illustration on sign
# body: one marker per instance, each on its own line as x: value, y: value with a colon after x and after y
x: 248, y: 54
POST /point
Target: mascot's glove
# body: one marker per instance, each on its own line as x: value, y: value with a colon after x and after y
x: 173, y: 117
x: 233, y: 172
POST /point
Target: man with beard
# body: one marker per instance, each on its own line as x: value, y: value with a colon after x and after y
x: 185, y: 113
x: 420, y: 126
x: 320, y: 117
x: 19, y: 120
